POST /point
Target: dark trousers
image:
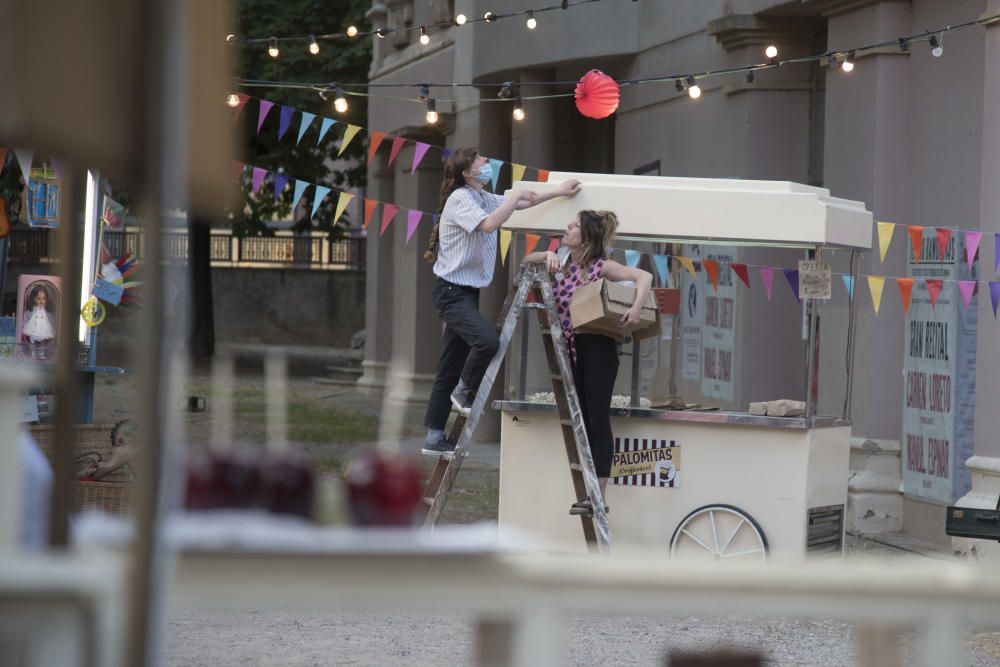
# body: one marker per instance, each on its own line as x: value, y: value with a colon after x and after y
x: 594, y: 375
x: 467, y: 347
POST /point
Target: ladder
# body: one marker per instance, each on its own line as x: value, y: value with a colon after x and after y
x: 534, y: 280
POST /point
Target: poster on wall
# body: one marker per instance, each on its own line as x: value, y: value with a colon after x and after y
x: 646, y: 462
x: 691, y: 318
x: 939, y: 371
x: 719, y: 321
x: 37, y: 312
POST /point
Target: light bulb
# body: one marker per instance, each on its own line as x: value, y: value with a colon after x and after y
x: 272, y: 50
x: 694, y: 91
x: 518, y: 113
x: 847, y: 66
x: 352, y: 31
x: 380, y: 33
x: 340, y: 103
x: 233, y: 100
x: 425, y: 39
x: 531, y: 23
x: 460, y: 19
x: 313, y: 45
x: 230, y: 39
x: 771, y: 51
x: 432, y: 114
x: 490, y: 17
x: 936, y: 49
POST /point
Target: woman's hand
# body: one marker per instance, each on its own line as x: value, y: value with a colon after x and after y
x: 529, y: 197
x: 552, y: 262
x: 631, y: 316
x: 569, y: 188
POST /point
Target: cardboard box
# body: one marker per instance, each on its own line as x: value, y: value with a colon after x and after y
x: 598, y: 307
x: 668, y: 299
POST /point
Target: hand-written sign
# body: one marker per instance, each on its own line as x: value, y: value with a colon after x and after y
x: 815, y: 280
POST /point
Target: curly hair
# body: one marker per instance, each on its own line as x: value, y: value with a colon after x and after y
x: 597, y: 232
x: 454, y: 178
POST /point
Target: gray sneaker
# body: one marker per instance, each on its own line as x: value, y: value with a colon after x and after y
x: 440, y: 447
x: 462, y: 400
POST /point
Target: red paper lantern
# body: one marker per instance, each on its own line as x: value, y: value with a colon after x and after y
x: 597, y: 94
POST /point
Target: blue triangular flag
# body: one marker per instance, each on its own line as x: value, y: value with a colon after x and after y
x: 307, y: 119
x: 495, y: 165
x: 632, y: 258
x: 318, y: 197
x: 280, y: 181
x: 661, y: 267
x: 324, y: 128
x: 849, y: 284
x: 300, y: 188
x: 285, y: 120
x: 445, y: 154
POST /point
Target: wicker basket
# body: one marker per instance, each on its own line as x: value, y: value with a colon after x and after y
x: 113, y: 493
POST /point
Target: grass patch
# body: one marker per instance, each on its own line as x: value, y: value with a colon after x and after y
x: 309, y: 422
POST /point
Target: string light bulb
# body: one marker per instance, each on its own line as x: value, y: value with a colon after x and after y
x: 531, y: 22
x: 352, y: 31
x: 232, y: 100
x: 339, y: 100
x: 937, y: 49
x: 771, y: 52
x: 230, y: 39
x: 848, y: 64
x: 518, y: 112
x: 425, y: 39
x: 313, y: 45
x: 272, y: 50
x: 460, y: 19
x: 489, y: 17
x: 432, y: 114
x: 750, y: 76
x: 679, y: 85
x: 694, y: 90
x: 380, y: 33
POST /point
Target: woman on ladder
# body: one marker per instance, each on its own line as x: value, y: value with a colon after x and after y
x: 463, y: 246
x: 581, y: 259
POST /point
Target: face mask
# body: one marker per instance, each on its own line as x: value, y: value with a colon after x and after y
x: 485, y: 174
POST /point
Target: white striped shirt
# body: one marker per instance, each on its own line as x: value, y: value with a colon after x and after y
x: 466, y: 255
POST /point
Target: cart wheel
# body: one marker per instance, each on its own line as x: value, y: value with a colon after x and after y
x: 718, y: 532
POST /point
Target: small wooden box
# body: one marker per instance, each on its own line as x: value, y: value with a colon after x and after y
x: 598, y: 307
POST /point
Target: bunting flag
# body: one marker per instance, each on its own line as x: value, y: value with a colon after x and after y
x: 418, y: 154
x: 342, y: 201
x: 972, y: 240
x: 307, y: 119
x: 374, y: 141
x: 553, y: 245
x: 258, y: 179
x: 348, y: 135
x: 966, y: 288
x: 3, y: 158
x: 324, y: 127
x: 995, y: 294
x: 389, y: 212
x: 280, y: 181
x: 767, y: 277
x: 792, y: 276
x: 632, y: 258
x: 916, y: 240
x: 517, y: 172
x: 875, y: 285
x: 495, y: 166
x: 543, y: 175
x: 240, y: 105
x: 660, y: 262
x: 505, y: 237
x: 943, y: 236
x: 934, y: 286
x: 905, y: 291
x: 742, y: 273
x: 530, y: 241
x: 318, y: 196
x: 688, y: 264
x: 300, y: 189
x: 849, y: 286
x: 446, y: 153
x: 885, y: 230
x: 370, y: 205
x: 265, y: 108
x: 397, y: 145
x: 712, y: 269
x: 25, y: 156
x: 412, y: 220
x: 285, y: 121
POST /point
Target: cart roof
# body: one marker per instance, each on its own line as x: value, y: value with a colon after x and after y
x: 704, y: 210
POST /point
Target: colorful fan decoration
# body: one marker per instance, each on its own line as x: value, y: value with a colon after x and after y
x: 114, y: 284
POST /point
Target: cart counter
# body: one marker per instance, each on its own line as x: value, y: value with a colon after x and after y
x: 696, y: 484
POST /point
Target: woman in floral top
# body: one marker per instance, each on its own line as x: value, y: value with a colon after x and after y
x: 583, y: 259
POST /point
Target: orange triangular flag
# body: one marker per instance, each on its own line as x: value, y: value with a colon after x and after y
x: 905, y: 290
x: 943, y: 236
x: 916, y: 240
x: 543, y: 175
x: 530, y: 241
x: 712, y: 269
x: 370, y: 205
x: 374, y: 141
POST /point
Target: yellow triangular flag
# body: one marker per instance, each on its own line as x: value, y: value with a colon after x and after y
x: 342, y: 202
x: 885, y: 230
x: 875, y: 285
x: 688, y: 264
x: 505, y: 236
x: 518, y: 170
x: 348, y: 135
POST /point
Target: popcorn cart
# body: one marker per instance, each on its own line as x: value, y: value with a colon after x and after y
x: 697, y: 484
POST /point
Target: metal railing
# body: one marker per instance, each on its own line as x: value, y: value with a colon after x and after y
x: 284, y: 249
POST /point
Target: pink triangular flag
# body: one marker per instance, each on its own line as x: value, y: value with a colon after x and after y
x: 934, y: 286
x: 388, y: 213
x: 265, y: 108
x: 418, y: 154
x: 943, y: 236
x: 966, y: 288
x: 553, y: 245
x: 767, y: 277
x: 412, y: 220
x: 258, y: 179
x: 972, y: 240
x: 397, y: 145
x: 741, y: 271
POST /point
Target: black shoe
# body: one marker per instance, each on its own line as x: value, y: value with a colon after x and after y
x: 440, y: 447
x: 462, y: 400
x: 585, y: 508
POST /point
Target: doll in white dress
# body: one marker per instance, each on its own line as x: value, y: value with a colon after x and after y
x: 39, y: 326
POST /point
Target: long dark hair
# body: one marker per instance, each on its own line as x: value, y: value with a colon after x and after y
x: 597, y: 231
x: 454, y: 179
